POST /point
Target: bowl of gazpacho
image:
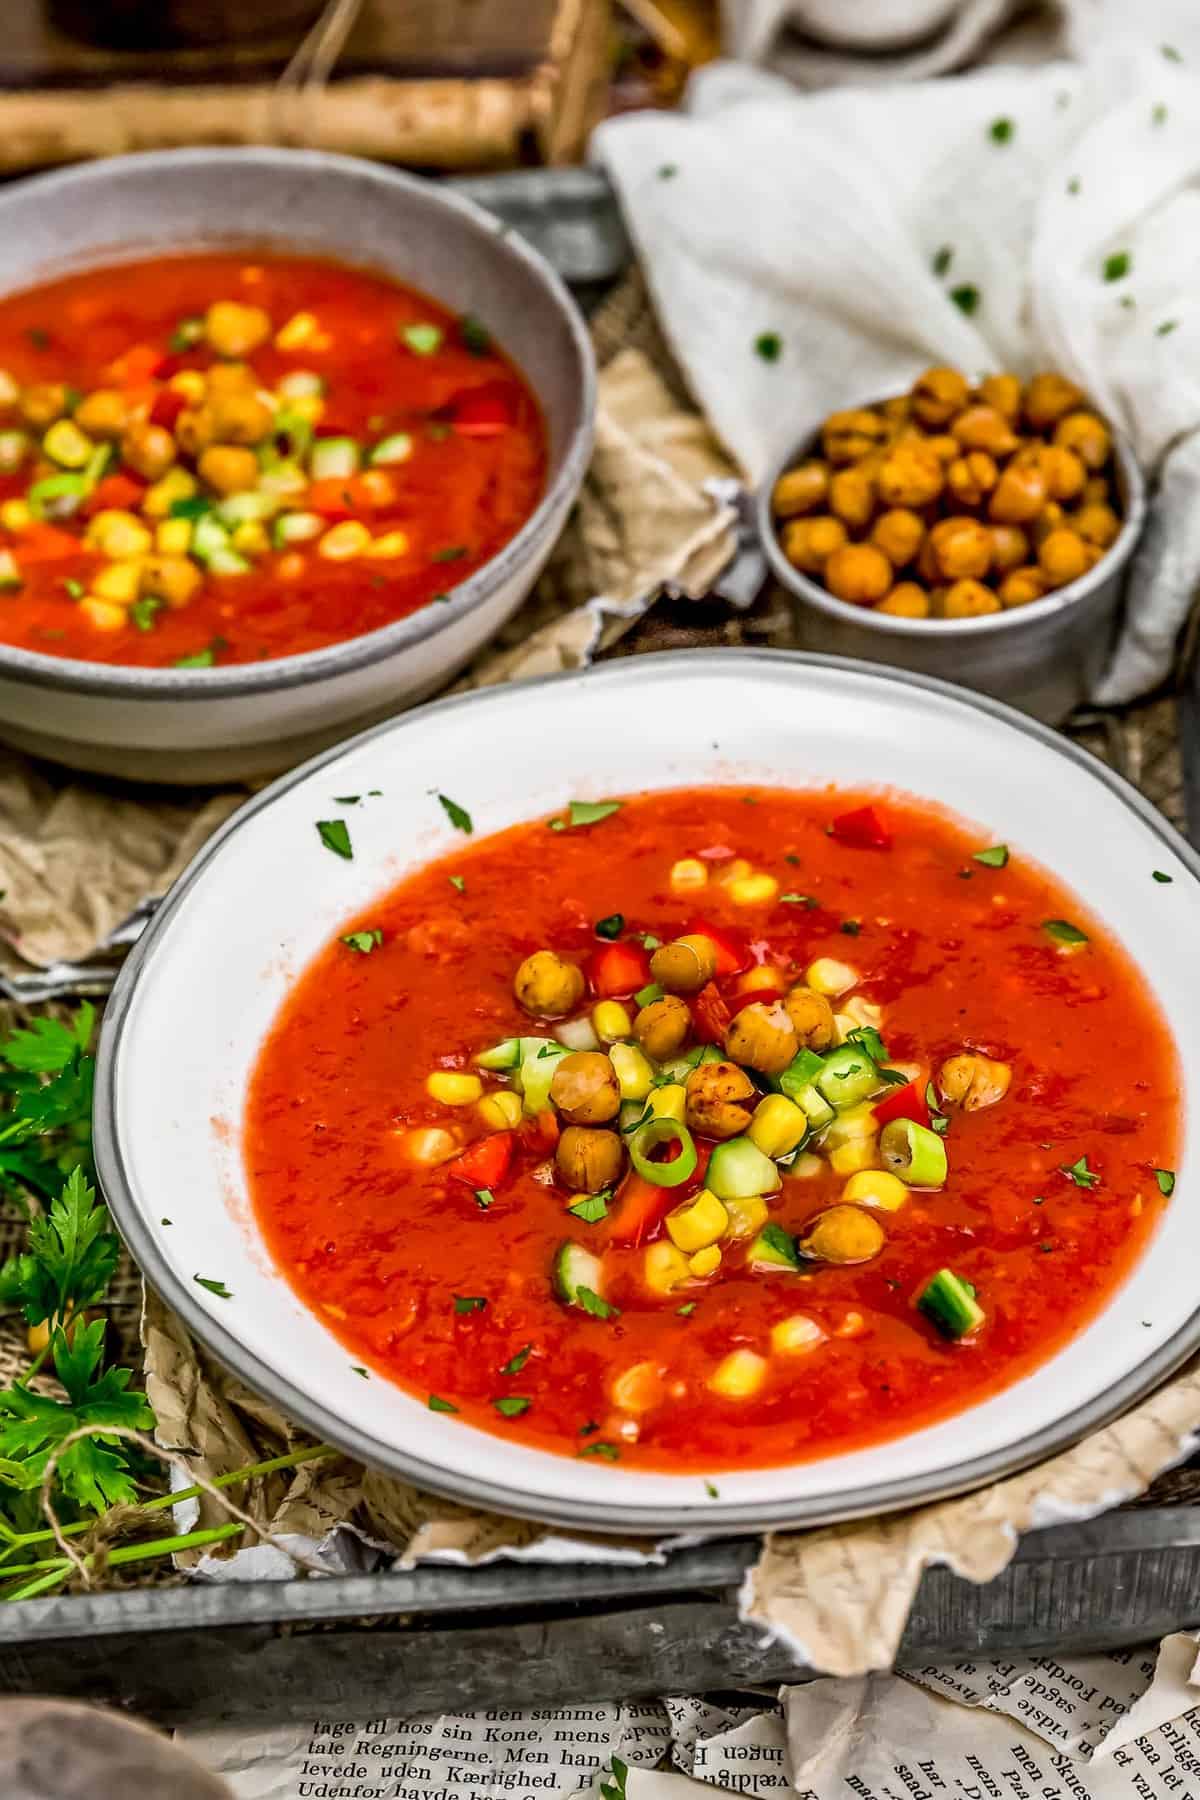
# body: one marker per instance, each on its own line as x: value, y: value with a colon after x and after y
x: 769, y: 1113
x: 283, y: 439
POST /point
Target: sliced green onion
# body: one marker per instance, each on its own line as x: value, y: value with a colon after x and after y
x: 395, y: 449
x: 1063, y: 932
x: 334, y: 459
x: 186, y: 335
x: 209, y: 538
x: 915, y: 1154
x: 648, y: 1137
x: 739, y: 1170
x: 295, y: 428
x: 949, y: 1303
x: 297, y: 528
x: 58, y: 496
x: 14, y: 448
x: 244, y: 508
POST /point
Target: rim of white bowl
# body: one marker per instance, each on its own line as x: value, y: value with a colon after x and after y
x: 67, y: 674
x: 714, y: 1516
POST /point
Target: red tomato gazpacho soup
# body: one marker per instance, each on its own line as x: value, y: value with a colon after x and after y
x: 714, y: 1128
x: 217, y: 459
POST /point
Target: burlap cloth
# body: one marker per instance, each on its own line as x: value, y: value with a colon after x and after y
x: 75, y: 857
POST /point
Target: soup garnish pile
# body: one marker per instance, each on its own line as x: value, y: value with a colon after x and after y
x: 713, y: 1128
x: 208, y: 459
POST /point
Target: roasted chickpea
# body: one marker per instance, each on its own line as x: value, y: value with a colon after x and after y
x: 973, y: 1081
x: 763, y: 1037
x: 983, y: 428
x: 1095, y: 491
x: 1047, y: 398
x: 585, y: 1088
x: 937, y: 395
x: 809, y: 543
x: 899, y: 533
x: 1010, y: 548
x: 1063, y: 557
x: 858, y: 573
x: 810, y: 1013
x: 910, y: 475
x: 150, y: 449
x: 1097, y: 524
x: 845, y: 436
x: 1003, y: 393
x: 684, y: 966
x: 1087, y: 435
x: 927, y: 565
x: 1018, y: 496
x: 898, y: 409
x: 42, y: 403
x: 587, y: 1160
x: 961, y: 547
x: 228, y: 469
x: 235, y: 330
x: 972, y: 477
x: 1049, y: 519
x: 907, y: 600
x: 944, y: 447
x: 1064, y: 472
x: 842, y: 1234
x: 968, y: 600
x: 231, y: 378
x: 173, y: 579
x: 546, y: 986
x: 800, y: 490
x: 662, y: 1027
x: 194, y: 429
x: 102, y: 414
x: 720, y: 1100
x: 1021, y: 587
x: 852, y: 497
x: 240, y: 418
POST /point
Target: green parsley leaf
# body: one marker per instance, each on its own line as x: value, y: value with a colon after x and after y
x: 1063, y: 932
x: 585, y: 1430
x: 1158, y: 875
x: 512, y: 1405
x: 1171, y: 53
x: 346, y: 799
x: 667, y: 171
x: 592, y: 1207
x: 71, y: 1256
x: 779, y: 1240
x: 458, y: 882
x: 186, y: 335
x: 452, y: 553
x: 214, y: 1287
x: 592, y: 1303
x: 516, y: 1363
x: 437, y: 1404
x: 805, y: 900
x: 1001, y: 131
x: 1080, y: 1174
x: 457, y: 815
x: 199, y: 659
x: 768, y: 345
x: 1116, y: 266
x: 74, y: 588
x: 1166, y: 1182
x: 166, y: 1221
x: 143, y: 612
x: 357, y: 1369
x: 995, y: 858
x: 585, y: 812
x: 851, y: 927
x: 41, y: 339
x: 1166, y: 328
x: 475, y: 335
x: 610, y: 1452
x: 966, y: 298
x: 33, y: 1425
x: 364, y: 941
x: 867, y: 1038
x: 438, y: 597
x: 1159, y: 115
x: 711, y: 1489
x: 483, y: 1198
x: 686, y: 1311
x: 610, y: 927
x: 615, y: 1789
x: 469, y: 1303
x: 194, y: 506
x: 335, y: 835
x: 422, y: 340
x: 942, y: 260
x: 48, y: 1046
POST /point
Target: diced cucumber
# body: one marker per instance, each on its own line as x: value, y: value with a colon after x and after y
x: 208, y: 537
x: 227, y: 562
x: 297, y: 528
x: 537, y: 1071
x: 738, y: 1170
x: 848, y: 1076
x: 773, y: 1248
x: 300, y: 384
x: 645, y: 996
x: 395, y: 449
x: 800, y: 1074
x: 240, y: 509
x: 949, y: 1303
x: 575, y: 1268
x: 334, y: 458
x: 505, y: 1055
x: 281, y: 476
x: 816, y: 1106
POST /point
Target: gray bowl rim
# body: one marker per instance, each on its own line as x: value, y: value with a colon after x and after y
x: 867, y: 618
x: 711, y: 1515
x: 117, y: 681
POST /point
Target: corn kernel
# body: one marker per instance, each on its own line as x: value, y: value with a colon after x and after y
x: 796, y: 1335
x: 848, y: 1159
x: 778, y: 1125
x: 310, y: 407
x: 500, y: 1112
x: 637, y: 1388
x: 15, y: 515
x: 173, y: 537
x: 119, y: 581
x: 668, y: 1102
x: 161, y: 496
x: 737, y: 870
x: 698, y: 1224
x: 863, y: 1012
x: 191, y: 383
x: 876, y: 1187
x: 738, y: 1375
x: 766, y: 975
x: 843, y: 1024
x: 66, y: 445
x: 118, y: 534
x: 250, y: 538
x: 391, y: 544
x: 377, y: 487
x: 634, y: 1075
x: 430, y: 1145
x: 687, y: 874
x: 746, y: 1218
x: 705, y: 1262
x: 105, y: 615
x: 664, y: 1268
x: 343, y: 541
x: 851, y: 1126
x: 753, y: 890
x: 830, y: 977
x: 453, y: 1088
x: 611, y: 1021
x: 302, y: 331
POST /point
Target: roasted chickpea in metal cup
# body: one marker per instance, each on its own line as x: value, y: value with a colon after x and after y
x: 954, y: 500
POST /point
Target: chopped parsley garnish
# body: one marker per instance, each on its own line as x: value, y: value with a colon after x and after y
x: 1158, y: 875
x: 615, y: 1789
x: 942, y: 259
x: 592, y: 1303
x: 686, y: 1311
x: 585, y: 812
x: 475, y: 335
x: 452, y: 553
x: 346, y: 799
x: 76, y: 589
x: 937, y: 1120
x: 805, y: 900
x: 483, y: 1198
x: 512, y: 1405
x: 1116, y: 266
x: 516, y: 1363
x: 437, y: 1404
x: 441, y: 597
x: 423, y: 339
x: 1001, y: 131
x: 966, y: 298
x: 1063, y: 932
x: 712, y: 1490
x: 868, y: 1039
x: 1171, y: 53
x: 194, y: 506
x: 458, y: 882
x: 457, y: 815
x: 357, y: 1369
x: 1159, y: 115
x: 768, y: 345
x: 611, y: 926
x: 214, y: 1287
x: 779, y: 1240
x: 1166, y: 1182
x: 995, y: 858
x: 199, y: 659
x: 1073, y: 185
x: 610, y: 1452
x: 1166, y: 328
x: 469, y: 1303
x: 586, y: 1430
x: 166, y: 1221
x: 335, y: 835
x: 667, y: 171
x: 851, y: 927
x: 38, y: 338
x: 364, y: 941
x: 592, y: 1208
x: 1080, y: 1174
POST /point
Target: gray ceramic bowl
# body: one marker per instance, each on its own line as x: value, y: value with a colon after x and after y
x: 1042, y: 658
x: 177, y: 725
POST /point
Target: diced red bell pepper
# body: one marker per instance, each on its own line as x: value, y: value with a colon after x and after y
x: 482, y: 412
x: 907, y: 1102
x: 863, y: 828
x: 486, y: 1163
x: 732, y: 955
x: 736, y: 1002
x: 168, y: 405
x: 342, y: 496
x: 119, y: 491
x: 640, y: 1208
x: 618, y: 970
x: 710, y: 1015
x: 45, y: 543
x: 138, y: 364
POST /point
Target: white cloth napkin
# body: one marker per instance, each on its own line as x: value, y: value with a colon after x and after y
x: 824, y: 218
